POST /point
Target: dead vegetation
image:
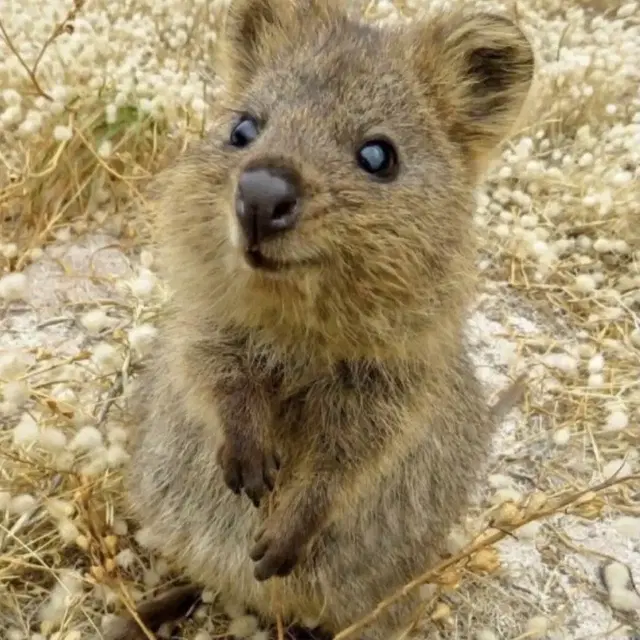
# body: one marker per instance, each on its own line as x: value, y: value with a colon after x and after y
x: 97, y: 102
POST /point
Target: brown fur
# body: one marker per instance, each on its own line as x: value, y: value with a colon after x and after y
x: 342, y: 377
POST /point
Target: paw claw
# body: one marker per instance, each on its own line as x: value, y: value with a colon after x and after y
x: 258, y: 551
x: 270, y: 472
x: 249, y: 469
x: 272, y: 563
x: 254, y: 495
x: 232, y: 475
x: 287, y: 566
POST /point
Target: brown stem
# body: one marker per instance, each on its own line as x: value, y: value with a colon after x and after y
x: 470, y: 550
x: 57, y: 30
x: 23, y: 64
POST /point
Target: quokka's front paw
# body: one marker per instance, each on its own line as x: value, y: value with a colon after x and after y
x: 250, y: 466
x: 282, y: 541
x: 276, y: 549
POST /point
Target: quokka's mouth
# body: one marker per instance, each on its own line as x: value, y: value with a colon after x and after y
x: 260, y: 262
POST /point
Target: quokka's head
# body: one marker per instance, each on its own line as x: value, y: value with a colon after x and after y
x: 342, y: 162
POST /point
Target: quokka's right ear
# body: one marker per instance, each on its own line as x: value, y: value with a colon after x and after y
x: 255, y: 30
x: 249, y: 27
x: 480, y: 67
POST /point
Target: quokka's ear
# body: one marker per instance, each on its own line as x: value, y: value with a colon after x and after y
x: 249, y: 27
x: 480, y: 69
x: 255, y: 30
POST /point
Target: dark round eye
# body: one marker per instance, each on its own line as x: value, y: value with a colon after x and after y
x: 379, y: 158
x: 244, y: 132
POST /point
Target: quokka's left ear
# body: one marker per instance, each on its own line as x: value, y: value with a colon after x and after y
x: 480, y: 69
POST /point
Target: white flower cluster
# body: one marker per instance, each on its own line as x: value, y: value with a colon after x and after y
x: 569, y: 191
x: 127, y: 57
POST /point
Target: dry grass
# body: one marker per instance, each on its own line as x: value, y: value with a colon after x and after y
x: 67, y: 153
x: 560, y: 221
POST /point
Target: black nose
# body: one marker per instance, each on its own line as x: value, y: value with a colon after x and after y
x: 266, y: 203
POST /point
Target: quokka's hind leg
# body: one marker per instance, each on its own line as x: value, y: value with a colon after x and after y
x: 167, y: 607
